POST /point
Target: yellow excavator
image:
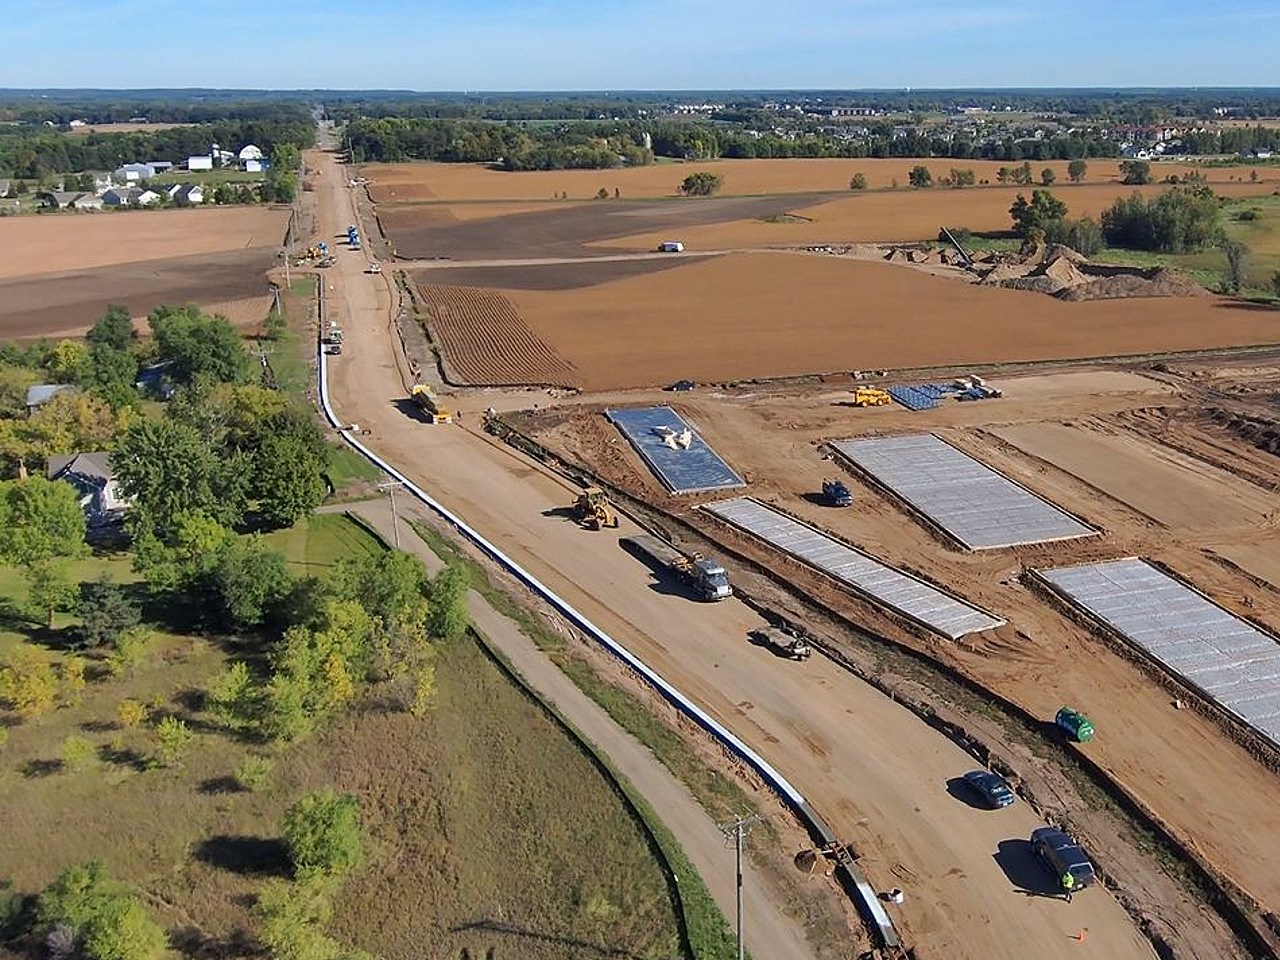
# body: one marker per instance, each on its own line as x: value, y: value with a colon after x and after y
x: 592, y: 510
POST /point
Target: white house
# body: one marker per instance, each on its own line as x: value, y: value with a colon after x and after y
x: 41, y: 393
x: 129, y: 197
x: 188, y: 193
x: 200, y: 163
x: 95, y: 481
x: 133, y: 172
x: 160, y: 166
x: 87, y: 201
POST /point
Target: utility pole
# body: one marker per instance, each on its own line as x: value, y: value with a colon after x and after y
x: 390, y: 487
x: 736, y: 833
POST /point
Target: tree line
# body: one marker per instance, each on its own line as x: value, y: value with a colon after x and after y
x: 157, y: 106
x: 36, y: 152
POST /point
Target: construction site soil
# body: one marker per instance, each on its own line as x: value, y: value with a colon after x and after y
x: 776, y: 314
x: 1090, y: 442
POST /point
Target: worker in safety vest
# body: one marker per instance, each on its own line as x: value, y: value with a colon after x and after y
x: 1068, y: 884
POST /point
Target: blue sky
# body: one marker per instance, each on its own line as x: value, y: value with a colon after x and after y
x: 639, y: 44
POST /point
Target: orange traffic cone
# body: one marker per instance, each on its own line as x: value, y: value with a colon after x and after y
x: 1083, y: 935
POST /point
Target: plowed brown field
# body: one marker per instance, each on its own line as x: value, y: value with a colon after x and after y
x: 398, y: 182
x: 899, y: 215
x: 779, y: 314
x: 487, y: 343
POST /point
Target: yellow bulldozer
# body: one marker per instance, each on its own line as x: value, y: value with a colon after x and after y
x: 430, y: 404
x: 592, y: 510
x: 871, y: 397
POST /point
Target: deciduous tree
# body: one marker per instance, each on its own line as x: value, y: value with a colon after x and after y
x: 858, y: 181
x: 1037, y: 214
x: 701, y: 184
x: 920, y: 177
x: 28, y: 683
x: 449, y: 618
x: 1135, y: 172
x: 199, y: 345
x: 1237, y: 270
x: 1076, y: 170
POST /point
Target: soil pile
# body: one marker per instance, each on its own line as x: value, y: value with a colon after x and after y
x: 1068, y: 275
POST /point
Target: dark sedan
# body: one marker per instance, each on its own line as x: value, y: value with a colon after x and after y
x: 990, y: 788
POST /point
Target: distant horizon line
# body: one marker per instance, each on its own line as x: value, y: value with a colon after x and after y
x: 620, y: 91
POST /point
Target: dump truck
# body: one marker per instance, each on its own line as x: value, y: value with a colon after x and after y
x: 331, y: 338
x: 592, y: 509
x: 871, y: 397
x: 783, y: 641
x: 430, y: 404
x: 836, y: 493
x: 706, y: 576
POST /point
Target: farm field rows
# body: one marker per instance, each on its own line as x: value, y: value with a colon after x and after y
x: 399, y: 182
x: 487, y: 343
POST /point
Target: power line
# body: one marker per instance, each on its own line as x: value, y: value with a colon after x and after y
x: 736, y: 833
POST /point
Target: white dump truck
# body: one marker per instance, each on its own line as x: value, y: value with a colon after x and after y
x: 707, y: 577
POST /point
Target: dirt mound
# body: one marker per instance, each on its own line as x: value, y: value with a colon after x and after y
x: 1069, y: 275
x: 1160, y: 283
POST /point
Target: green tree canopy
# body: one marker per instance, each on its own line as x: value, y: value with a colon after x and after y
x: 323, y: 833
x: 1179, y: 220
x: 108, y: 922
x: 250, y: 581
x: 1135, y: 172
x: 920, y: 177
x: 106, y: 611
x: 199, y: 345
x: 1042, y: 210
x: 40, y: 520
x: 701, y: 184
x: 114, y: 329
x: 168, y: 469
x: 1076, y: 170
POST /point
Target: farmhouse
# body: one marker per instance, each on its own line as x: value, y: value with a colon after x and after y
x: 95, y: 481
x: 87, y: 201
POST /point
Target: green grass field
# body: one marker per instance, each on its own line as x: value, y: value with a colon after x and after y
x: 490, y: 832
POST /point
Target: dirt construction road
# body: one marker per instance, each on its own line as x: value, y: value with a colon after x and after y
x: 769, y: 932
x: 876, y: 772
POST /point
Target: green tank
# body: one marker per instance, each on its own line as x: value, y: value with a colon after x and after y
x: 1074, y: 724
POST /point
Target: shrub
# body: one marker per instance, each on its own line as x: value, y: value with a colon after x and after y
x: 84, y: 906
x: 172, y: 741
x: 131, y: 714
x: 77, y: 753
x: 1083, y: 235
x: 28, y: 683
x: 253, y: 772
x: 1179, y: 220
x: 858, y: 181
x: 323, y: 833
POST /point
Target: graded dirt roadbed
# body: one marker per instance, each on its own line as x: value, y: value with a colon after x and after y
x: 872, y: 768
x: 769, y: 932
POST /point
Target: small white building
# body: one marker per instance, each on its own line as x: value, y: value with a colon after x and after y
x: 200, y: 163
x: 188, y: 194
x: 249, y: 152
x: 133, y: 172
x: 255, y: 166
x: 87, y: 201
x: 130, y: 197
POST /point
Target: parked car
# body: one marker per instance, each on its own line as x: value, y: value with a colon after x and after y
x: 1063, y: 856
x: 990, y: 788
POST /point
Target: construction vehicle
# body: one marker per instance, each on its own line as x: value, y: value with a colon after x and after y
x: 592, y: 510
x: 331, y: 338
x: 783, y: 641
x: 1074, y: 724
x: 430, y: 404
x: 374, y: 267
x: 836, y: 493
x: 871, y: 397
x: 706, y: 576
